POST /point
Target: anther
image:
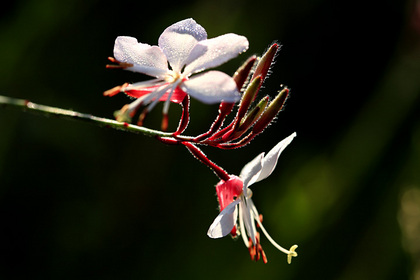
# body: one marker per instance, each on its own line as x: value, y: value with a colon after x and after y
x: 291, y: 254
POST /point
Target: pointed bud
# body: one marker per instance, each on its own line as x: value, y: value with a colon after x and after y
x: 265, y: 61
x: 241, y: 75
x: 254, y: 114
x: 250, y: 119
x: 248, y: 97
x: 273, y: 109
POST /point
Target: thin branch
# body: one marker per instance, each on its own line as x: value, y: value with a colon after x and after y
x: 69, y: 114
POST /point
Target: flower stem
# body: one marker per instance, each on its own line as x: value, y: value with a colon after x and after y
x: 198, y: 154
x: 69, y: 114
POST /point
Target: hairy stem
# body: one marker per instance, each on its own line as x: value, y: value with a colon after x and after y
x: 26, y: 105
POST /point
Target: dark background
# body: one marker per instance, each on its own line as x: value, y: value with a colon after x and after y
x: 82, y: 202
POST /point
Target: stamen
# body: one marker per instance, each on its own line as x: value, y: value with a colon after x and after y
x: 242, y: 227
x: 115, y: 90
x: 156, y: 95
x: 135, y: 104
x: 148, y: 83
x: 123, y: 115
x: 252, y: 249
x: 142, y: 116
x: 164, y: 124
x: 121, y: 65
x: 249, y: 218
x: 168, y: 101
x: 256, y: 251
x: 290, y: 253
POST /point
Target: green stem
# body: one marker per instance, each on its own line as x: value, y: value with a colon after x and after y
x: 69, y: 114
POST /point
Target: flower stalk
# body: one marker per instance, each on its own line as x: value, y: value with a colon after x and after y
x: 29, y: 106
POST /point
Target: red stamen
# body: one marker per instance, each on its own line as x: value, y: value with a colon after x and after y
x: 255, y: 250
x: 252, y: 250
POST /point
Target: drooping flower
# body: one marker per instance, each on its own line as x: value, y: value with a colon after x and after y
x: 236, y: 204
x: 183, y: 50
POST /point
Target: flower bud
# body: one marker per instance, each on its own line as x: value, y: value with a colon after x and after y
x: 254, y: 114
x: 265, y: 61
x: 248, y: 97
x: 250, y: 118
x: 241, y: 75
x: 273, y: 109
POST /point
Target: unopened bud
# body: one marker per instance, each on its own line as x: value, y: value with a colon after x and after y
x: 241, y: 75
x: 248, y: 97
x: 250, y: 118
x: 273, y: 109
x: 254, y: 114
x: 265, y: 61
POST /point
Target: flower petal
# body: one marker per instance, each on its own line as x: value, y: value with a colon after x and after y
x: 224, y: 222
x: 179, y: 39
x: 251, y: 171
x: 146, y: 59
x: 177, y: 95
x: 270, y: 160
x: 228, y: 190
x: 214, y: 52
x: 212, y: 87
x: 248, y: 219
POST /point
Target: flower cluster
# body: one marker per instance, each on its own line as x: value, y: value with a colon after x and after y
x: 183, y: 51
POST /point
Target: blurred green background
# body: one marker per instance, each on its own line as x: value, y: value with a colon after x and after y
x: 82, y: 202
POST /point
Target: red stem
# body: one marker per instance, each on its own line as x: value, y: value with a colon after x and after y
x: 198, y: 154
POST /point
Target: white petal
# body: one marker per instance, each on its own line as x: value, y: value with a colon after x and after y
x: 249, y: 221
x: 215, y: 51
x: 225, y: 221
x: 212, y: 87
x: 146, y: 59
x: 179, y: 39
x: 251, y: 171
x: 270, y: 160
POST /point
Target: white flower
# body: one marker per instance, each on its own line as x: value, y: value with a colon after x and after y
x: 235, y: 202
x: 183, y: 50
